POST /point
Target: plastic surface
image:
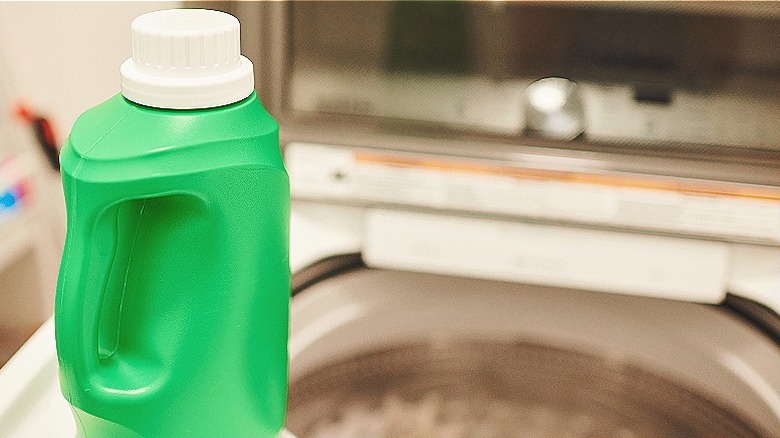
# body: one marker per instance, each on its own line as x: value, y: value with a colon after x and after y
x: 172, y: 303
x: 185, y: 59
x: 31, y: 405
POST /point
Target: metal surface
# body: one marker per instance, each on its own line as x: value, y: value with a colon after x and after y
x: 658, y: 367
x: 266, y: 34
x: 554, y: 108
x: 493, y: 389
x: 729, y: 166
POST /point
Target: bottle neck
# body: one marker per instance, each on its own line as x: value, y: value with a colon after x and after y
x: 251, y: 97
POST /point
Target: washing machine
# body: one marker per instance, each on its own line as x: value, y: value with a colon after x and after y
x: 563, y: 218
x: 436, y: 323
x: 388, y: 340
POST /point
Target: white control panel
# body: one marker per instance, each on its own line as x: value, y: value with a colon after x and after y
x: 471, y: 102
x: 611, y: 112
x: 721, y: 210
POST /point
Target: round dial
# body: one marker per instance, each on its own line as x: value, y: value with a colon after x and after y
x: 554, y: 108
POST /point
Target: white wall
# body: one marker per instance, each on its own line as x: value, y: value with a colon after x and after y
x: 64, y: 57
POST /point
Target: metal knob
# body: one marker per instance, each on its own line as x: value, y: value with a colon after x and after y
x: 554, y: 109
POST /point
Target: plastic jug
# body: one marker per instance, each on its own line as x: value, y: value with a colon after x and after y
x: 173, y: 295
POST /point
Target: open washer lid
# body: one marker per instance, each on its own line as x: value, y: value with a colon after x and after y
x: 367, y: 340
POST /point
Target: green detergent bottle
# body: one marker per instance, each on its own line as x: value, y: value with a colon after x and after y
x: 173, y: 296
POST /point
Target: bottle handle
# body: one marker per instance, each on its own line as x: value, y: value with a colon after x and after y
x: 83, y: 285
x: 75, y: 302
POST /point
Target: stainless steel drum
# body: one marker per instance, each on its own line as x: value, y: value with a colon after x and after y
x: 396, y: 354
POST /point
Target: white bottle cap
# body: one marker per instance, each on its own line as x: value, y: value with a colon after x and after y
x: 185, y: 59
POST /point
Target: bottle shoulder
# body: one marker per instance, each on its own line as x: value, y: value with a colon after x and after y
x: 118, y: 129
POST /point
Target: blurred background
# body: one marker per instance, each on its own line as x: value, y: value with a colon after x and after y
x: 56, y: 60
x: 574, y: 207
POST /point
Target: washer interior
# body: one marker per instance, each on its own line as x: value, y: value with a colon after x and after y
x: 436, y: 356
x: 493, y: 389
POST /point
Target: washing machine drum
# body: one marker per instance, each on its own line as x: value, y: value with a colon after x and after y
x: 396, y: 354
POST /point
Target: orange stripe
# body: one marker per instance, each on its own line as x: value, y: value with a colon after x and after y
x: 611, y: 180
